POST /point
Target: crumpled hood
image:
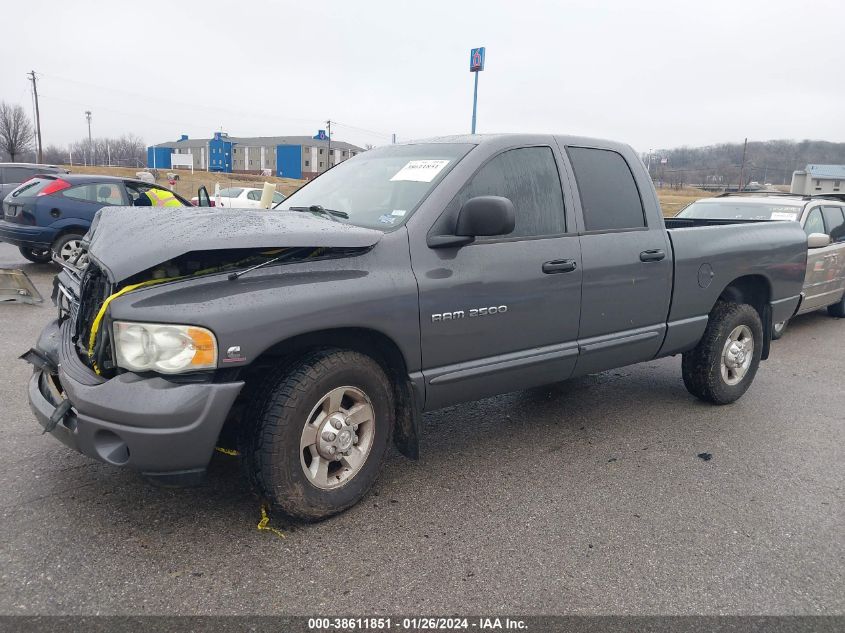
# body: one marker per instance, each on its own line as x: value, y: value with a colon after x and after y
x: 128, y: 240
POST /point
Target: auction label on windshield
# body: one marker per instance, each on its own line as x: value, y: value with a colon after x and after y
x: 420, y: 170
x: 783, y: 215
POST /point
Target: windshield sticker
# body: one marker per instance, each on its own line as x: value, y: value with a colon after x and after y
x: 399, y: 213
x: 783, y: 215
x: 420, y: 170
x: 387, y: 219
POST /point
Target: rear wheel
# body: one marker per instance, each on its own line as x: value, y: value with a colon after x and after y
x: 837, y: 309
x: 723, y: 364
x: 36, y: 255
x: 778, y: 329
x: 320, y: 433
x: 69, y: 249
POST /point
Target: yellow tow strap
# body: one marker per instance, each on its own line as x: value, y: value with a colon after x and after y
x: 95, y: 326
x: 227, y: 451
x: 264, y: 523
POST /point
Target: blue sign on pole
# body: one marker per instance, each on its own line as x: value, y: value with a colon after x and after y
x: 321, y: 136
x: 476, y: 59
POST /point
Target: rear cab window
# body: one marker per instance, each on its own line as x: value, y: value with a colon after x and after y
x: 610, y: 198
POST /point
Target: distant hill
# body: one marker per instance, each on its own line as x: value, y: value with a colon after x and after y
x: 765, y: 161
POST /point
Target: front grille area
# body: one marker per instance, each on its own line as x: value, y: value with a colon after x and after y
x: 93, y: 291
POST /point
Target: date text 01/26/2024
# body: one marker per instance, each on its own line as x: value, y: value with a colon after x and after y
x: 414, y: 624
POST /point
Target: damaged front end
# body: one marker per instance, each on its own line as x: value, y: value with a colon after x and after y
x: 161, y: 421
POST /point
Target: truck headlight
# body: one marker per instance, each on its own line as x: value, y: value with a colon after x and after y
x: 165, y: 348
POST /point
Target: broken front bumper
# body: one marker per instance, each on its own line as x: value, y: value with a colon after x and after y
x: 163, y: 429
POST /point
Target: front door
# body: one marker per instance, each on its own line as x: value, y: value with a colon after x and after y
x: 823, y: 283
x: 502, y: 313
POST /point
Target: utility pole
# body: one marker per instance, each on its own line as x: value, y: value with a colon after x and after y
x: 90, y: 142
x: 742, y: 166
x: 32, y: 78
x: 329, y: 157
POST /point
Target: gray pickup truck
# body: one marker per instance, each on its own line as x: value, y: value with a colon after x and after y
x: 406, y: 279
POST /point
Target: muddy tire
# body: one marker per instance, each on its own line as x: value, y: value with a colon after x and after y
x: 318, y: 434
x: 723, y: 364
x: 778, y: 329
x: 35, y: 255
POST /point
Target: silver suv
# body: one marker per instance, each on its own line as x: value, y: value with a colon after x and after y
x: 823, y: 220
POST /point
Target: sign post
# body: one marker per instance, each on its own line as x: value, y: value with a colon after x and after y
x: 322, y: 136
x: 476, y: 65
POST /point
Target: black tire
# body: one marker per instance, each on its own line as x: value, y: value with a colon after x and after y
x: 271, y: 446
x: 778, y: 329
x: 37, y: 256
x: 837, y: 309
x: 63, y: 240
x: 702, y: 366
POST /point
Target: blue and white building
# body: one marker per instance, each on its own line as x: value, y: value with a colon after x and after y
x: 284, y: 156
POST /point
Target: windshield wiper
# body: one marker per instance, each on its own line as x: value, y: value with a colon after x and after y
x: 332, y: 214
x: 267, y: 262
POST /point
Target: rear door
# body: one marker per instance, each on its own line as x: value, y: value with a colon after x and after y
x: 501, y: 314
x: 627, y: 264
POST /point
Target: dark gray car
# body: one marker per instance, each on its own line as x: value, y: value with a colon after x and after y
x: 409, y: 278
x: 13, y: 174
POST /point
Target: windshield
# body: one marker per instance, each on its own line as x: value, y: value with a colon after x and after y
x: 382, y: 187
x: 740, y: 210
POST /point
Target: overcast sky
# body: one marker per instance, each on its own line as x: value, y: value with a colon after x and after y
x: 652, y: 74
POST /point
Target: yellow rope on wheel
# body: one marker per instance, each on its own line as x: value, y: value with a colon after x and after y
x: 264, y: 523
x: 227, y: 451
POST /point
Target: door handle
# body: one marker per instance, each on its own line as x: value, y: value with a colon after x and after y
x: 655, y: 255
x: 559, y: 266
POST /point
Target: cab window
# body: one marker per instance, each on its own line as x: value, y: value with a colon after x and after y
x: 835, y: 223
x: 610, y: 199
x: 254, y: 195
x: 528, y: 177
x: 815, y: 222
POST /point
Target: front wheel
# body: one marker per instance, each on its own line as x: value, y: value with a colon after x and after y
x: 319, y: 433
x: 723, y: 364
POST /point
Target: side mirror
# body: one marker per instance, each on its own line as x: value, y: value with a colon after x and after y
x: 203, y: 199
x: 486, y: 215
x: 482, y: 215
x: 818, y: 240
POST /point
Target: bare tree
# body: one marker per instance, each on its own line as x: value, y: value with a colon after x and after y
x: 16, y: 133
x: 55, y: 155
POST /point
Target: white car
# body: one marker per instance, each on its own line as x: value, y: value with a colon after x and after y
x: 241, y: 198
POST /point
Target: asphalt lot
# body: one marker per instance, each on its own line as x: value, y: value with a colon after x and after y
x: 584, y: 498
